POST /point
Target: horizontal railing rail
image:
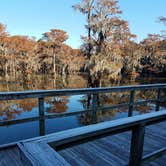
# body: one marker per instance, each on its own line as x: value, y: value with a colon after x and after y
x: 72, y: 113
x: 68, y: 92
x: 41, y: 94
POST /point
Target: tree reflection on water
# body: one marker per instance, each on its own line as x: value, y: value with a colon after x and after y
x: 58, y: 104
x: 17, y: 108
x: 27, y: 108
x: 11, y: 109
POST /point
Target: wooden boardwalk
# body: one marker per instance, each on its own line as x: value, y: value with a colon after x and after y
x: 10, y: 157
x: 132, y: 141
x: 107, y: 151
x: 114, y: 150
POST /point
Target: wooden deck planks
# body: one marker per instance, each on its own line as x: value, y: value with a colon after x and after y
x: 107, y: 151
x: 10, y: 157
x: 114, y: 150
x: 40, y: 154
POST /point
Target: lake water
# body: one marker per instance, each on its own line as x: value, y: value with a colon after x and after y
x: 18, y: 109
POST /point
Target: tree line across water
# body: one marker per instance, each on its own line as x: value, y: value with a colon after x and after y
x: 109, y: 49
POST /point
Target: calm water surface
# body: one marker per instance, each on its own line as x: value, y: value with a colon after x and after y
x: 18, y: 109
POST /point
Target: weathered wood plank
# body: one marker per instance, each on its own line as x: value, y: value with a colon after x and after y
x: 114, y: 147
x: 41, y: 155
x: 41, y: 107
x: 101, y: 129
x: 137, y: 143
x: 71, y: 157
x: 94, y: 107
x: 10, y: 157
x: 66, y: 92
x: 152, y: 156
x: 158, y: 100
x: 131, y: 103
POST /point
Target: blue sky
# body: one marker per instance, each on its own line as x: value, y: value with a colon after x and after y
x: 34, y: 17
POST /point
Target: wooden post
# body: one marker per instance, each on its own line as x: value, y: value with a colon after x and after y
x: 41, y: 115
x: 94, y: 107
x: 131, y: 104
x: 41, y: 107
x: 137, y: 143
x: 158, y: 100
x: 42, y: 127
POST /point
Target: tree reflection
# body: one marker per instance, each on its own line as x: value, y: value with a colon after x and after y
x: 96, y: 117
x: 112, y: 99
x: 12, y: 109
x: 57, y: 104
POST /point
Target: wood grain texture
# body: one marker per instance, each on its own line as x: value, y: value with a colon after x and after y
x: 41, y: 155
x: 100, y: 129
x: 10, y: 157
x: 68, y: 92
x: 114, y: 150
x: 41, y: 94
x: 107, y: 151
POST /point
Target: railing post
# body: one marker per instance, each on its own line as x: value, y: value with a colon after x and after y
x: 131, y: 103
x: 42, y: 127
x: 158, y: 100
x: 136, y: 147
x: 94, y: 107
x: 41, y: 106
x: 41, y: 115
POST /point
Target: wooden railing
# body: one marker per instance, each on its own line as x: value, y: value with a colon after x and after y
x: 136, y: 124
x: 41, y: 94
x: 72, y: 137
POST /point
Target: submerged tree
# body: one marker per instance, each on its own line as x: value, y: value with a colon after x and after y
x: 109, y: 47
x: 108, y: 35
x: 25, y: 55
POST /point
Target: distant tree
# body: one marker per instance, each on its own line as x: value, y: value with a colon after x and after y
x: 3, y: 31
x: 153, y: 54
x: 54, y: 40
x: 50, y: 54
x: 150, y: 42
x: 108, y: 35
x: 21, y: 53
x: 131, y: 55
x: 86, y: 7
x: 4, y: 48
x: 163, y: 20
x: 103, y: 24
